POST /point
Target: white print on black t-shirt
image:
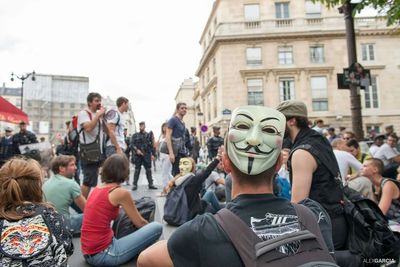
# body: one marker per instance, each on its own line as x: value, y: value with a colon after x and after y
x: 275, y: 225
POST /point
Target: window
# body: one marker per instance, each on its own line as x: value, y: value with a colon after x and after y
x: 282, y: 10
x: 29, y: 104
x: 371, y: 94
x: 72, y: 105
x: 215, y: 103
x: 209, y: 107
x: 255, y: 92
x: 286, y: 88
x: 285, y: 55
x: 374, y: 128
x: 252, y: 12
x: 368, y: 53
x: 253, y: 56
x: 61, y: 105
x: 317, y: 54
x: 214, y: 66
x: 313, y: 10
x: 319, y: 93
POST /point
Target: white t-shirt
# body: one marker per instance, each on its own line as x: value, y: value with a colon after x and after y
x: 90, y: 137
x: 345, y: 161
x: 373, y: 149
x: 385, y: 153
x: 119, y: 129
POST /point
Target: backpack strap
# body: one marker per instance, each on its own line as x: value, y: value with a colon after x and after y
x: 240, y: 234
x: 83, y: 132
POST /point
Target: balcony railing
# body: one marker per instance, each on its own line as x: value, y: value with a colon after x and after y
x: 277, y: 26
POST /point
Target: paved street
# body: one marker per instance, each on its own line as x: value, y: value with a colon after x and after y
x: 77, y: 260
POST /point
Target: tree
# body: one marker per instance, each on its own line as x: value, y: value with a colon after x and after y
x: 391, y: 8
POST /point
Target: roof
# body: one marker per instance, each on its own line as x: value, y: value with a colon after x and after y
x: 10, y: 113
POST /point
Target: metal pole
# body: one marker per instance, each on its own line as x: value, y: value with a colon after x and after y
x: 355, y: 99
x: 22, y: 95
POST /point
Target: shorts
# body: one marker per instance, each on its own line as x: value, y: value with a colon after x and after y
x: 90, y: 174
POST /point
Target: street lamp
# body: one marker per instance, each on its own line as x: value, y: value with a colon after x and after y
x: 23, y: 78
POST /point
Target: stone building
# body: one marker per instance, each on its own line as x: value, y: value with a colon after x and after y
x: 263, y: 52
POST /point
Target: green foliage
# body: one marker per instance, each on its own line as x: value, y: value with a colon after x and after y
x: 389, y: 7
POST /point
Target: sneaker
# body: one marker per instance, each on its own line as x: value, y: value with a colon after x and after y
x: 134, y: 187
x: 127, y: 183
x: 152, y: 187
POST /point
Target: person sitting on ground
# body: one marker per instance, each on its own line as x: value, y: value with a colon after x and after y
x: 252, y: 155
x: 24, y: 215
x: 99, y: 246
x: 215, y: 182
x: 345, y: 159
x: 379, y: 140
x: 61, y: 190
x: 390, y: 156
x: 387, y: 191
x: 194, y: 186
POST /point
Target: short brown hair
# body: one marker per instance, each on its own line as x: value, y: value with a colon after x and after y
x: 91, y: 96
x: 115, y: 169
x: 60, y: 161
x: 180, y: 104
x: 121, y: 100
x: 378, y: 164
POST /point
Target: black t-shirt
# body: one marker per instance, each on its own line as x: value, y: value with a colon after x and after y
x: 202, y: 242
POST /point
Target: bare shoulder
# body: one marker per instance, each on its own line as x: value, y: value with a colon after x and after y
x: 301, y: 154
x: 119, y: 195
x: 304, y: 158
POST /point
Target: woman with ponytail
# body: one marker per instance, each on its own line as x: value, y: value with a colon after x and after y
x: 32, y: 232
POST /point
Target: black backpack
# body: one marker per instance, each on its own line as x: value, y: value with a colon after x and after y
x: 254, y: 252
x: 369, y: 233
x: 176, y: 209
x: 123, y: 225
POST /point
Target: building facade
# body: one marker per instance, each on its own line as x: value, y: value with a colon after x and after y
x: 185, y: 94
x: 51, y: 100
x: 12, y: 95
x: 265, y: 51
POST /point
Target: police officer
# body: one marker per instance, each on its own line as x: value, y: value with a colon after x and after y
x: 6, y: 146
x: 142, y: 154
x: 24, y: 137
x: 214, y: 143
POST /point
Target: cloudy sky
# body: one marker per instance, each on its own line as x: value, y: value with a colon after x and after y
x: 140, y: 49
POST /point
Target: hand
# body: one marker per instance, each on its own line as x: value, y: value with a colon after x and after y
x: 172, y: 157
x: 101, y: 111
x: 152, y: 157
x: 139, y: 152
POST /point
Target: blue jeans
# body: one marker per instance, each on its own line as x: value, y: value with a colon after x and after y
x: 211, y: 198
x: 76, y: 222
x: 126, y: 248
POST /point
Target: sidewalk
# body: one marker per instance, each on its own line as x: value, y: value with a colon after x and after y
x: 77, y: 260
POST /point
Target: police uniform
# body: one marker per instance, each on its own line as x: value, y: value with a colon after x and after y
x: 144, y: 142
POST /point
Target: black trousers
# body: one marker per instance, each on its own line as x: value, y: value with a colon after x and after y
x: 175, y: 165
x: 146, y: 162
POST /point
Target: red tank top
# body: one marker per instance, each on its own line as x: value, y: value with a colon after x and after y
x: 96, y: 232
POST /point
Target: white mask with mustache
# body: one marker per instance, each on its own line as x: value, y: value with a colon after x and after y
x: 255, y: 138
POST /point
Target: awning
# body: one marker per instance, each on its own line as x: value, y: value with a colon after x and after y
x: 10, y: 113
